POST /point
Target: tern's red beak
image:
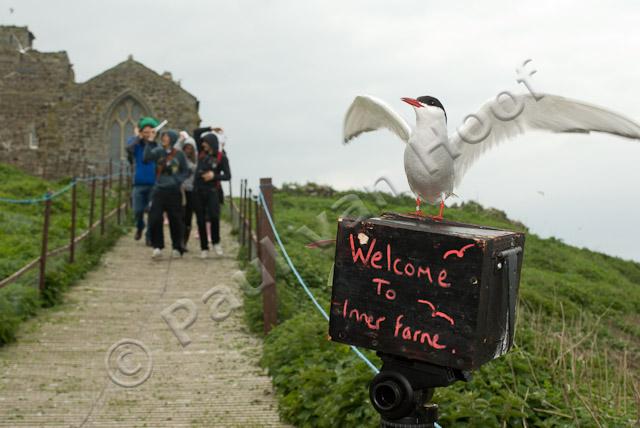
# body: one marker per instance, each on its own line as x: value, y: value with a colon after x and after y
x: 412, y: 102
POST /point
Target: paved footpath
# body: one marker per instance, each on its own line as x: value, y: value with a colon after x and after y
x: 56, y: 373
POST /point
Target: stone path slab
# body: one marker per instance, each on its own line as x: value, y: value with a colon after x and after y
x: 56, y: 373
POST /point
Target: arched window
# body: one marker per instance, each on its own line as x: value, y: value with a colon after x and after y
x: 123, y: 119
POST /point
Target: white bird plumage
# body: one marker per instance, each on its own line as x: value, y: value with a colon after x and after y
x: 21, y: 48
x: 435, y: 163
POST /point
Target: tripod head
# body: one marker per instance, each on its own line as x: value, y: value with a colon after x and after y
x: 402, y: 390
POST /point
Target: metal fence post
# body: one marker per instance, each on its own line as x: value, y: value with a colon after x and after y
x: 269, y: 295
x: 92, y: 206
x: 240, y: 209
x: 45, y: 242
x: 102, y: 206
x: 119, y: 193
x: 243, y: 210
x: 258, y: 215
x: 110, y: 173
x: 72, y: 238
x: 249, y: 240
x: 230, y: 204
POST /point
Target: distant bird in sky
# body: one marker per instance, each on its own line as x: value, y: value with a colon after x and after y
x: 435, y: 163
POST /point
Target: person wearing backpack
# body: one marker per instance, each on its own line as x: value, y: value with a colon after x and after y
x: 171, y: 172
x: 222, y: 140
x: 212, y: 168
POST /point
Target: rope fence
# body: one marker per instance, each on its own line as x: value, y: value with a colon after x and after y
x: 259, y: 240
x: 52, y: 195
x: 48, y: 199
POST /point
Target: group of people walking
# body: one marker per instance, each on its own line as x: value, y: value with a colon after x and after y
x: 180, y: 176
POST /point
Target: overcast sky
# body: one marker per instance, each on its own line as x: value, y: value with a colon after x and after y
x: 279, y: 75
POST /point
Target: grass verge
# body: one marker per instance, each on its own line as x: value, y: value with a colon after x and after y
x: 577, y: 352
x: 21, y: 238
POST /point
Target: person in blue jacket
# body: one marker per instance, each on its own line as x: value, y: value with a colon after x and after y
x: 145, y: 172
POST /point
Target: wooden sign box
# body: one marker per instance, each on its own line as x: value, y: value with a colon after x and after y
x: 440, y: 292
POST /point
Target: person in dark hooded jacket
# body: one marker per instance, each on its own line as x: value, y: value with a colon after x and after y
x: 198, y: 135
x: 171, y: 172
x: 212, y: 168
x: 188, y: 146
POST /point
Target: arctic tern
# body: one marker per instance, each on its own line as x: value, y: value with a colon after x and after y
x: 435, y: 163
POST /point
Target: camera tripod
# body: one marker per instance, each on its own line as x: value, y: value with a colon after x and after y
x: 403, y: 389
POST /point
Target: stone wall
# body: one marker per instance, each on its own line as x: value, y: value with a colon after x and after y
x: 54, y: 127
x: 15, y: 37
x: 84, y: 114
x: 31, y: 82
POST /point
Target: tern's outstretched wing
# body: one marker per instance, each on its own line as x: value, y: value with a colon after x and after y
x: 368, y: 114
x: 496, y: 122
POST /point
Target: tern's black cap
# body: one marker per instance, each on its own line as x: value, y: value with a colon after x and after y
x: 432, y: 101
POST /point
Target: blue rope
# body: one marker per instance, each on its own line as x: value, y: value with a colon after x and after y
x: 21, y: 201
x: 304, y: 285
x: 61, y: 191
x: 306, y: 289
x: 57, y: 193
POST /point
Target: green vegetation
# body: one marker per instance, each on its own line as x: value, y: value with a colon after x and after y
x: 21, y: 240
x: 577, y: 350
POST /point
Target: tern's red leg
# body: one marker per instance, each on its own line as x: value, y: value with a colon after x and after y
x: 439, y: 216
x: 418, y: 210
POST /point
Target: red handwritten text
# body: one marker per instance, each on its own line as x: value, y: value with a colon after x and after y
x: 361, y: 317
x: 435, y: 313
x: 406, y: 333
x: 441, y: 277
x: 390, y: 293
x: 358, y: 254
x: 374, y: 258
x: 457, y: 253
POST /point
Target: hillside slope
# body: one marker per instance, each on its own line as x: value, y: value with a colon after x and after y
x: 577, y: 354
x: 21, y: 241
x: 21, y: 224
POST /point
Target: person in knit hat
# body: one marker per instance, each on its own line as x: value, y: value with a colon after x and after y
x: 144, y: 172
x: 171, y: 172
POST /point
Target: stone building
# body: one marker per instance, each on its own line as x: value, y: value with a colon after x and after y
x: 54, y: 127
